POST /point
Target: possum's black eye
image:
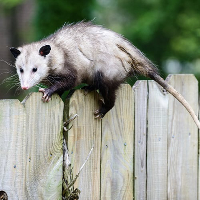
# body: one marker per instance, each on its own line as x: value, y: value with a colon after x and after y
x: 21, y: 70
x: 34, y: 69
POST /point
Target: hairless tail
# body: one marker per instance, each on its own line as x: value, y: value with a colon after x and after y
x: 176, y: 94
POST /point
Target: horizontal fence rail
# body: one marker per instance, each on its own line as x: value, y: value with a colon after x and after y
x: 146, y: 147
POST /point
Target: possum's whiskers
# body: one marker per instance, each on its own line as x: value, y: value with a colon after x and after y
x: 10, y: 64
x: 12, y: 86
x: 11, y: 81
x: 13, y: 78
x: 18, y: 90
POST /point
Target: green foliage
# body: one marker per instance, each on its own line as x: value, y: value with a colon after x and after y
x: 10, y: 3
x: 51, y: 14
x: 166, y: 29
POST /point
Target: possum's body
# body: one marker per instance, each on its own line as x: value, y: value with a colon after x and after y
x: 85, y: 53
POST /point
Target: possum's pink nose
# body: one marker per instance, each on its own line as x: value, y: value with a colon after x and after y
x: 24, y: 87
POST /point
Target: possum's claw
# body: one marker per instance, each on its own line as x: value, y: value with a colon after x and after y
x: 46, y: 94
x: 101, y: 100
x: 98, y: 114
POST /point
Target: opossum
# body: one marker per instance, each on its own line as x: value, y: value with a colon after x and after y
x: 86, y: 53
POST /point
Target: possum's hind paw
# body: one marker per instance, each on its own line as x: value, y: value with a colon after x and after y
x: 46, y: 94
x: 98, y: 114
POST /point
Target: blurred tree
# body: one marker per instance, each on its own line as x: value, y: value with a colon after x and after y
x: 15, y: 30
x: 51, y: 14
x: 8, y: 4
x: 9, y: 8
x: 165, y: 28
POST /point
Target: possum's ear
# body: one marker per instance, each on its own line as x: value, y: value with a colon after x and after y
x: 45, y: 50
x: 15, y: 52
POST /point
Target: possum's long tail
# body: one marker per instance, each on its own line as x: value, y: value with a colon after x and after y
x: 140, y: 64
x: 177, y: 95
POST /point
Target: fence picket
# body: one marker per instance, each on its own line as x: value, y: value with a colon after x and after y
x: 157, y: 143
x: 141, y: 94
x: 31, y: 148
x: 85, y: 133
x: 117, y: 148
x: 182, y: 140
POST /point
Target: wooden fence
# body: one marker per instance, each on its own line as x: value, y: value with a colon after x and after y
x: 146, y: 147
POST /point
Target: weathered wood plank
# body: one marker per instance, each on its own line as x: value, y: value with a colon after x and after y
x: 118, y: 147
x: 182, y: 140
x: 199, y: 164
x: 31, y: 148
x: 157, y: 143
x: 85, y: 133
x: 141, y: 94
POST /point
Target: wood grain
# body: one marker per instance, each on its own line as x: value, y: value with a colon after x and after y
x: 117, y: 148
x: 141, y: 95
x: 31, y: 148
x: 165, y: 145
x: 157, y: 143
x: 182, y: 140
x: 85, y: 133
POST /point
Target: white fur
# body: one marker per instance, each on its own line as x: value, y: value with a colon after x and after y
x: 86, y: 47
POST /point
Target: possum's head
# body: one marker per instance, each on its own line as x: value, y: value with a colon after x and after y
x: 31, y: 64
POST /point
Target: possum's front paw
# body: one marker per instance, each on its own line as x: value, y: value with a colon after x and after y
x: 46, y: 94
